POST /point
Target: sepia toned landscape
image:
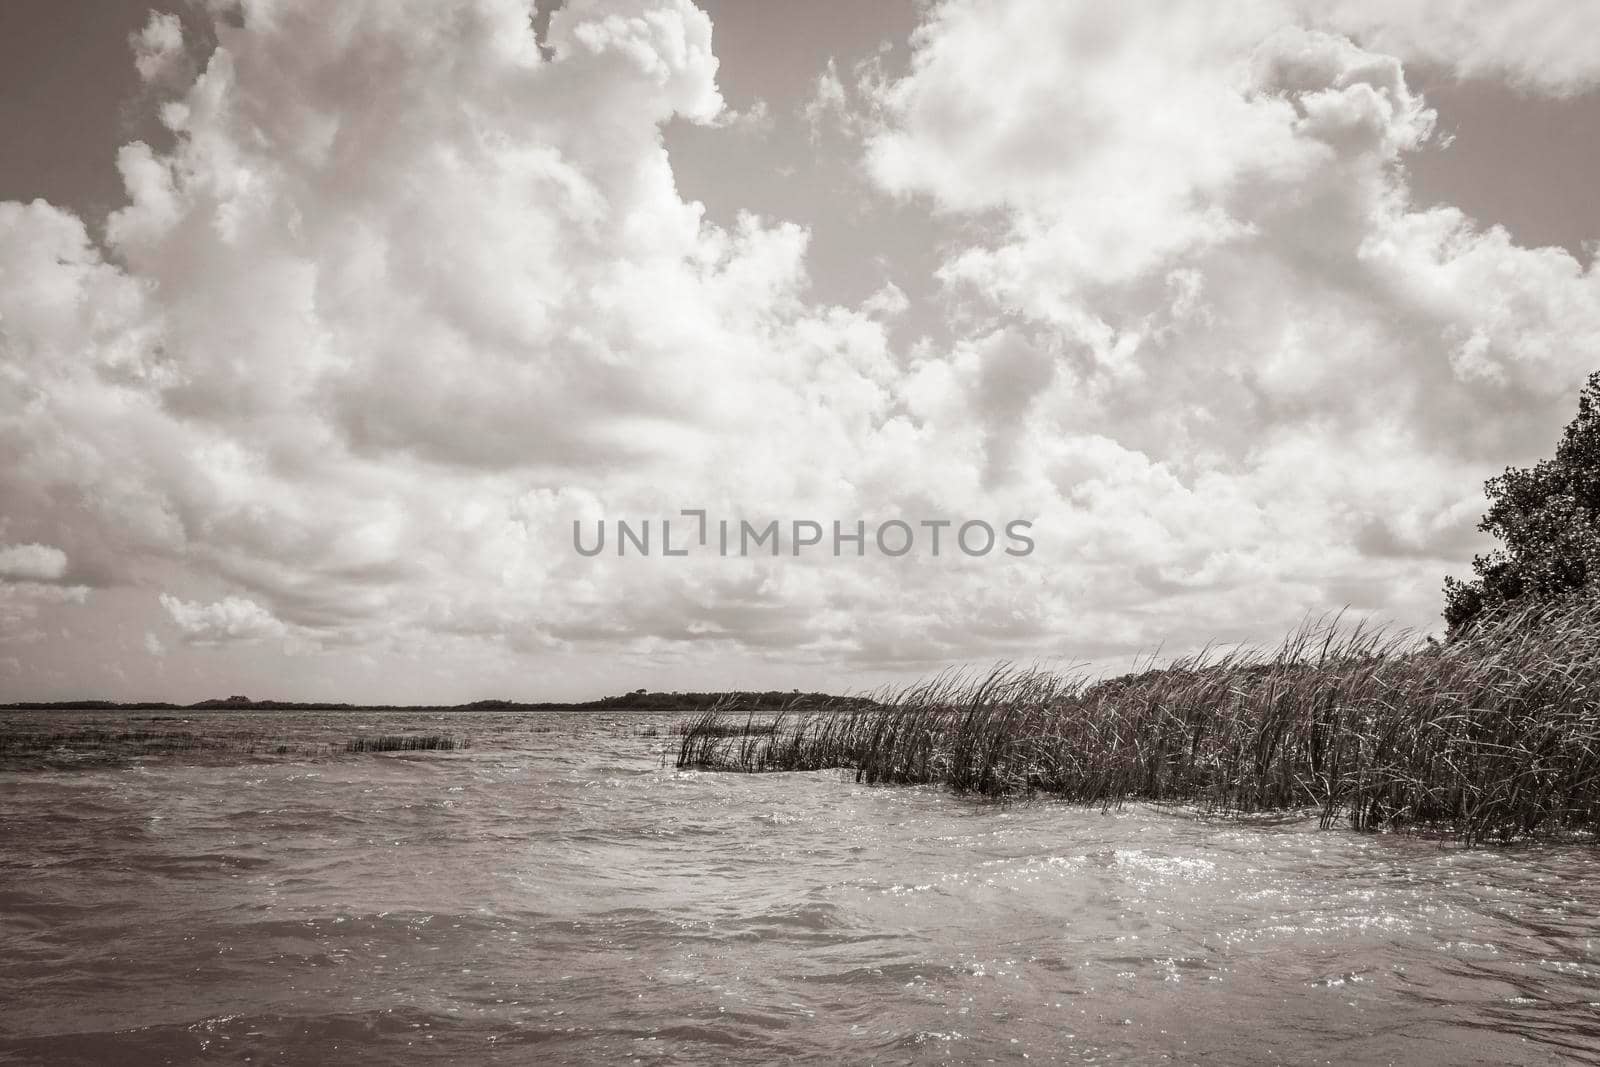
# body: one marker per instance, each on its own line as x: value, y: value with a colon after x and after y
x: 739, y: 531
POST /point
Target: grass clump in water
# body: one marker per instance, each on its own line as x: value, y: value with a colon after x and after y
x: 716, y: 723
x: 1494, y: 735
x: 405, y: 743
x: 96, y: 740
x: 26, y: 745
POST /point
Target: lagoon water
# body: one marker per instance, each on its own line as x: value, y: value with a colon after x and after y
x: 556, y: 894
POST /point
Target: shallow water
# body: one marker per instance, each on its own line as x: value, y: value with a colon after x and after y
x: 554, y: 894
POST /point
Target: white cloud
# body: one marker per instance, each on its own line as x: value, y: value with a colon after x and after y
x: 361, y: 357
x: 22, y: 602
x: 1538, y: 45
x: 1199, y: 217
x: 230, y: 620
x: 362, y: 354
x: 158, y: 48
x: 828, y: 102
x: 32, y: 563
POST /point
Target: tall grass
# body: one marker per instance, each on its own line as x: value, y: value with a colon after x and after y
x: 15, y: 743
x: 405, y: 743
x: 1495, y: 735
x: 24, y: 746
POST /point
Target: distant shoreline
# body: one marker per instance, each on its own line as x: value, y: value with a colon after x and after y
x: 732, y: 700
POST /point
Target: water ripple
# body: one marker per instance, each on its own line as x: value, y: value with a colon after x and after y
x: 555, y: 893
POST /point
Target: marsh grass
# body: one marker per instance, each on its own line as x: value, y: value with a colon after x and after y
x: 16, y: 744
x: 1495, y: 735
x: 716, y: 723
x: 109, y: 745
x: 405, y: 743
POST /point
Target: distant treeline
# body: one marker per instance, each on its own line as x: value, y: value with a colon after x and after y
x: 638, y: 700
x: 741, y: 700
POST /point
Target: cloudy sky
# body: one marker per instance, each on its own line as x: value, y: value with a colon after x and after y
x: 320, y: 325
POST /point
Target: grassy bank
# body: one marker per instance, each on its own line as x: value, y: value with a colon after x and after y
x: 1495, y: 735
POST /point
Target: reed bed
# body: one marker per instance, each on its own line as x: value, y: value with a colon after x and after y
x: 15, y: 743
x: 1496, y: 735
x: 405, y: 743
x: 28, y: 747
x: 715, y: 722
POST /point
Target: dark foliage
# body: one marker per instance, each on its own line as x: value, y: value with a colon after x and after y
x: 1548, y: 518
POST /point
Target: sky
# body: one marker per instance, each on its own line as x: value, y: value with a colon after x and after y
x: 322, y: 326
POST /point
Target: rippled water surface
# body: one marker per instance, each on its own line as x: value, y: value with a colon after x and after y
x: 554, y: 894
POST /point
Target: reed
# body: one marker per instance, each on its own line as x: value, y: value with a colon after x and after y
x: 28, y: 747
x: 1495, y: 735
x: 20, y: 746
x: 405, y: 743
x: 17, y: 743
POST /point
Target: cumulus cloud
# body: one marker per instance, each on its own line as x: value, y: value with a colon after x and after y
x: 1540, y: 46
x: 1203, y: 219
x: 360, y: 358
x: 32, y: 563
x: 230, y: 620
x: 158, y: 52
x: 364, y: 356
